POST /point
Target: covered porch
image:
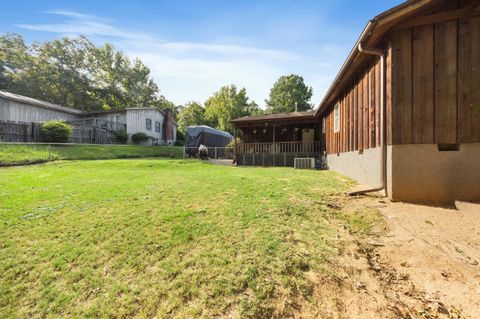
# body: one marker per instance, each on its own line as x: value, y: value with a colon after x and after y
x: 276, y: 139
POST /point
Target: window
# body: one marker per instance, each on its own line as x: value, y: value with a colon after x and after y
x: 148, y: 124
x: 323, y: 125
x: 115, y: 121
x: 336, y: 119
x: 158, y: 126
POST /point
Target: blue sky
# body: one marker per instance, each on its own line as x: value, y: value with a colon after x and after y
x: 195, y: 47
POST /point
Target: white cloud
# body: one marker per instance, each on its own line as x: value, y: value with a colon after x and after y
x: 191, y: 70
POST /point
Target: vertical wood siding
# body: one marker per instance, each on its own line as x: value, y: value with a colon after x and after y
x: 469, y: 78
x: 13, y: 111
x: 359, y: 114
x: 432, y: 89
x: 446, y: 81
x: 435, y: 74
x: 136, y: 121
x: 423, y: 85
x: 402, y: 87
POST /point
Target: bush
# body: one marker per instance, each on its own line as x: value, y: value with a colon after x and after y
x: 122, y: 136
x: 180, y: 135
x: 55, y: 132
x: 139, y: 138
x: 232, y: 142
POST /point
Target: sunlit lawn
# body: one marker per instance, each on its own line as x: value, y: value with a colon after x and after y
x: 164, y: 238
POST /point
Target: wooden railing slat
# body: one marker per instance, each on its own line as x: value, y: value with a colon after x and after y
x: 280, y: 147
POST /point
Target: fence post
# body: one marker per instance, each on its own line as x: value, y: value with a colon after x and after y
x: 32, y: 133
x: 25, y: 132
x: 215, y: 153
x: 49, y: 151
x: 184, y: 151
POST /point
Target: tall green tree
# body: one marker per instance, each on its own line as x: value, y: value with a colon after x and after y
x: 226, y: 104
x: 191, y: 114
x: 61, y: 72
x: 254, y: 109
x: 74, y: 72
x: 286, y: 91
x: 14, y: 58
x: 120, y: 81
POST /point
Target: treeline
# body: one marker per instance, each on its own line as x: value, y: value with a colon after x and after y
x: 287, y: 94
x: 75, y: 73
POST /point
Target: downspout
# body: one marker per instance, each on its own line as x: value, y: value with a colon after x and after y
x: 383, y: 164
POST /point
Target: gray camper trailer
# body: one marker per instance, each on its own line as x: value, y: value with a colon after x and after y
x: 205, y: 135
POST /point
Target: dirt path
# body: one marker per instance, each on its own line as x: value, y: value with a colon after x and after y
x: 424, y: 264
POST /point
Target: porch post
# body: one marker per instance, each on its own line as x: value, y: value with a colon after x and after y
x: 274, y: 146
x: 235, y: 142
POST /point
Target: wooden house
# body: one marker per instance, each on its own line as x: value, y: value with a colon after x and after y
x: 403, y: 113
x: 276, y: 139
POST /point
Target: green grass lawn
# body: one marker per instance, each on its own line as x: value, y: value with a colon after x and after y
x: 164, y: 238
x: 34, y: 153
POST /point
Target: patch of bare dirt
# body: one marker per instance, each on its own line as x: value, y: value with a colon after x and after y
x: 439, y: 250
x: 227, y: 162
x: 420, y: 262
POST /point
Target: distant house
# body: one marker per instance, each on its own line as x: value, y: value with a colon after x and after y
x: 22, y: 109
x: 156, y: 123
x: 89, y: 127
x: 403, y: 113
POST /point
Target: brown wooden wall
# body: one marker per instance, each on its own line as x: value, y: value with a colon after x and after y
x: 435, y: 78
x: 359, y: 114
x: 432, y: 85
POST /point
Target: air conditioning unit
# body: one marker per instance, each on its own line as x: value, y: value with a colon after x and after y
x: 304, y: 163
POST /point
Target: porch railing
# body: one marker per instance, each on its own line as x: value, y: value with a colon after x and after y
x: 279, y: 147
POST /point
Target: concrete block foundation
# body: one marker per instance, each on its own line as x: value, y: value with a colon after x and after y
x: 417, y: 172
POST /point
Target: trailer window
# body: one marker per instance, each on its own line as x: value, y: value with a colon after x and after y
x: 148, y: 124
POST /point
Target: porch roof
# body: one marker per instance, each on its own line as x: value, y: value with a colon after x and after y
x: 283, y: 118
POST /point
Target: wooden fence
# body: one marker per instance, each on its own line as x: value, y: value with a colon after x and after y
x: 30, y: 132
